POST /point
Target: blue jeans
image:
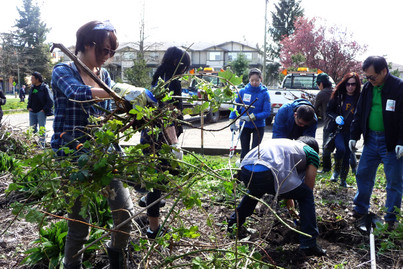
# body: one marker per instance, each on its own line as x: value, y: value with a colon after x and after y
x: 342, y: 149
x: 373, y: 154
x: 35, y: 119
x: 245, y: 139
x: 259, y: 183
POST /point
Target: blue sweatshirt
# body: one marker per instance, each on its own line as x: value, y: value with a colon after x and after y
x: 262, y: 105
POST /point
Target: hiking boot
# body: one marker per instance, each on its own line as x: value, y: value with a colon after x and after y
x: 344, y: 184
x: 154, y: 234
x: 391, y: 225
x: 143, y: 202
x: 357, y: 215
x: 314, y: 251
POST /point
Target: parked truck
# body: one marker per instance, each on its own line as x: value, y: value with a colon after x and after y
x: 210, y: 75
x: 295, y: 85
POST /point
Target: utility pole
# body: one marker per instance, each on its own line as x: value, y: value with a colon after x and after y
x: 18, y: 75
x: 265, y: 41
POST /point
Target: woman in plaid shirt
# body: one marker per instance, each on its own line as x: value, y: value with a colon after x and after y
x: 96, y: 43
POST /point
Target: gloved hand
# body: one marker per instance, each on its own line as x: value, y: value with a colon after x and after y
x: 351, y: 145
x: 177, y: 151
x: 247, y: 118
x: 399, y: 151
x: 233, y: 127
x: 135, y: 95
x: 339, y: 120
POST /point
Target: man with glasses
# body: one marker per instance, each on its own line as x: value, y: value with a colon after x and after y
x: 379, y: 117
x: 295, y: 119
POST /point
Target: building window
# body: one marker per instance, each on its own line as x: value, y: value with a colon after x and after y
x: 214, y: 56
x: 128, y: 56
x: 232, y: 56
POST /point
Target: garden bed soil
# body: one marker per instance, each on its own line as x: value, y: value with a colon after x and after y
x: 346, y: 246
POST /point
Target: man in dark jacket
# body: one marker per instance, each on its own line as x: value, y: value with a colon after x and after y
x: 325, y: 87
x: 295, y: 119
x: 379, y: 117
x: 2, y: 102
x: 321, y: 101
x: 39, y: 103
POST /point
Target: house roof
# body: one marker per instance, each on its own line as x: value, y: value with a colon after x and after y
x: 225, y: 43
x: 397, y: 66
x: 191, y: 46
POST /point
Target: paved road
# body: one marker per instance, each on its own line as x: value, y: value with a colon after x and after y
x: 215, y: 140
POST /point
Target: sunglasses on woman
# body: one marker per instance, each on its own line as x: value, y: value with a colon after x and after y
x: 106, y: 51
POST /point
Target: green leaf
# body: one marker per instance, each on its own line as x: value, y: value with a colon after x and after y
x: 205, y: 106
x: 82, y: 160
x: 34, y: 216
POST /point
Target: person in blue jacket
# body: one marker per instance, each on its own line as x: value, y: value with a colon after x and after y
x: 256, y: 120
x: 295, y: 119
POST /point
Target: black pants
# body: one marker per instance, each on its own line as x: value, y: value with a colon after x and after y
x: 245, y: 139
x: 258, y: 184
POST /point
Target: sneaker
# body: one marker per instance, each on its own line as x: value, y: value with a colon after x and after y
x: 314, y: 251
x: 143, y: 202
x: 344, y: 184
x: 153, y: 234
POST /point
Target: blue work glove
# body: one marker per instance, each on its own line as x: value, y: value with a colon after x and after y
x: 339, y: 120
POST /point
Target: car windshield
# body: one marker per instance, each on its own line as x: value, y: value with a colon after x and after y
x: 300, y: 82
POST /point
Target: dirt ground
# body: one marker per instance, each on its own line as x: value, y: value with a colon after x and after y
x: 346, y: 246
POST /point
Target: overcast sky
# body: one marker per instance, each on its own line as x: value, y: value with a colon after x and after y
x: 375, y: 23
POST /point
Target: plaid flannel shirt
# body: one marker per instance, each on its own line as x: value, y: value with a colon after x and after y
x: 72, y: 117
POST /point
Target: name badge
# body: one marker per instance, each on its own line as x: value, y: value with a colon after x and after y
x: 247, y: 97
x: 390, y: 105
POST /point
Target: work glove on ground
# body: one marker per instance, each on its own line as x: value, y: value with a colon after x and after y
x: 399, y: 151
x: 339, y: 120
x: 248, y: 118
x: 177, y: 151
x: 135, y: 95
x: 351, y: 145
x: 233, y: 127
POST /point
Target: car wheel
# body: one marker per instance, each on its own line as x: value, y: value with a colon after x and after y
x: 213, y: 117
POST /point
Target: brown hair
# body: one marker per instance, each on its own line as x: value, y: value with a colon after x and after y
x: 341, y: 86
x: 87, y: 35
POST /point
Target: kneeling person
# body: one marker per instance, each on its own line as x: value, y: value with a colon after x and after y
x: 288, y: 167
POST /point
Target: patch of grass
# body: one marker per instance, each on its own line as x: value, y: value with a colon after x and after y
x: 13, y: 104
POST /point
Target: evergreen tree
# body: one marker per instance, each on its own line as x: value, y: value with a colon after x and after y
x: 138, y: 75
x: 283, y: 19
x: 240, y: 66
x: 8, y: 58
x: 30, y: 38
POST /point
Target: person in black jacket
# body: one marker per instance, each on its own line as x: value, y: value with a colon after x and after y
x: 321, y: 101
x: 39, y: 104
x: 174, y: 62
x: 340, y: 112
x: 2, y: 102
x: 379, y: 117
